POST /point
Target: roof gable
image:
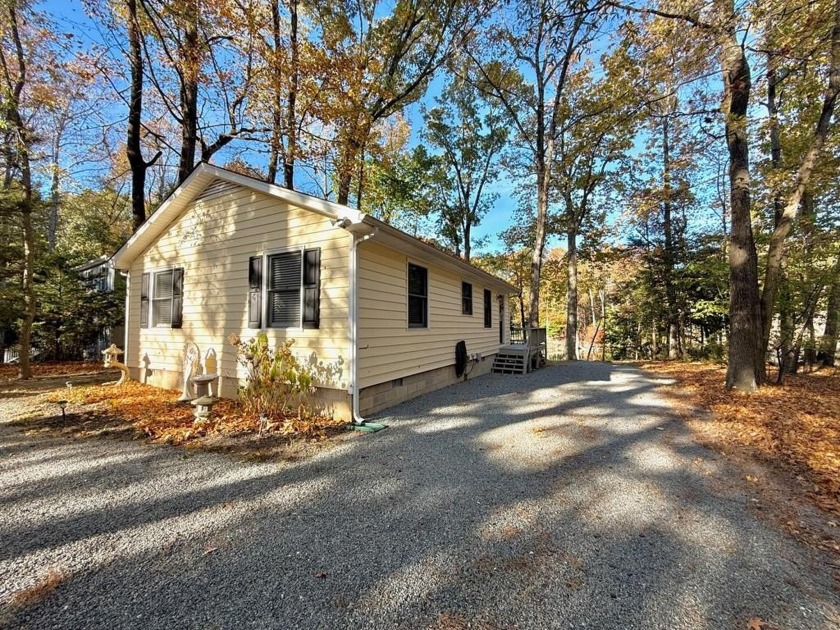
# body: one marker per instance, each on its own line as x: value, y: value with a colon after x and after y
x: 208, y: 181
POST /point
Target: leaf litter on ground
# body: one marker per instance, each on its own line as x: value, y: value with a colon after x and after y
x: 794, y: 428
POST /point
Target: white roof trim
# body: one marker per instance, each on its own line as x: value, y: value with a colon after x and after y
x: 204, y: 174
x: 397, y: 239
x: 198, y: 180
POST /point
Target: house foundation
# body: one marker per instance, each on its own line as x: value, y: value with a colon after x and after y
x: 378, y: 397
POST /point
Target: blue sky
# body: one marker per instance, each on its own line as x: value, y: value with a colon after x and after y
x: 71, y: 15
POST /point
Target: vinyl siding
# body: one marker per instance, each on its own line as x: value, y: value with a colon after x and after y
x: 213, y: 240
x: 388, y: 348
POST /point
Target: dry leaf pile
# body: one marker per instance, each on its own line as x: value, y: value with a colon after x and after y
x: 795, y: 426
x: 157, y: 414
x: 9, y: 372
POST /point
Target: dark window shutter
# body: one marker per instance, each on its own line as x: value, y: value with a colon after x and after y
x: 255, y: 292
x: 488, y: 306
x: 144, y: 301
x: 312, y: 288
x: 177, y: 297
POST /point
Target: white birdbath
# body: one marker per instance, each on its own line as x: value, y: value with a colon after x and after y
x: 202, y: 384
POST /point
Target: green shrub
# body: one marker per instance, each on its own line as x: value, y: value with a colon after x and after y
x: 276, y: 384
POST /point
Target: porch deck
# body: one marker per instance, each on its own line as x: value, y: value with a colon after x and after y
x: 521, y: 357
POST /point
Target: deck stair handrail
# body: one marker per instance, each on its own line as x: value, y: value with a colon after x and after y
x: 537, y: 338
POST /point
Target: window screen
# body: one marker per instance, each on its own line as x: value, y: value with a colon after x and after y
x: 466, y: 298
x: 162, y: 299
x: 283, y: 289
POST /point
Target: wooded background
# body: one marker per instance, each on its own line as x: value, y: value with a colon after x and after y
x: 674, y: 163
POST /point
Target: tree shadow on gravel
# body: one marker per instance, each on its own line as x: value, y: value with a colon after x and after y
x: 568, y: 497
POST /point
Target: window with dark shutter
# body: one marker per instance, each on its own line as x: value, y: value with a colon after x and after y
x: 283, y: 290
x: 466, y: 298
x: 418, y: 296
x: 488, y: 310
x: 311, y: 288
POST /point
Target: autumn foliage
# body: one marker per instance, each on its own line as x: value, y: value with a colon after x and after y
x: 9, y: 372
x: 795, y: 426
x: 156, y: 414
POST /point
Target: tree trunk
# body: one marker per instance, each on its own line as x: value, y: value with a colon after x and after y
x: 674, y: 347
x: 808, y: 213
x: 291, y: 106
x: 654, y: 339
x: 467, y: 232
x: 133, y: 149
x: 539, y: 245
x: 55, y: 197
x: 346, y: 166
x: 784, y: 352
x: 572, y: 299
x: 784, y: 223
x: 276, y: 141
x: 24, y: 367
x: 828, y: 343
x: 746, y: 368
x: 603, y: 296
x: 189, y: 75
x: 21, y: 139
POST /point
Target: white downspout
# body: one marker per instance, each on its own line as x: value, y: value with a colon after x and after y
x: 353, y: 322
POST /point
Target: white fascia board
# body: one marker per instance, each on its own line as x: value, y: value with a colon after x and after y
x: 400, y: 241
x: 198, y: 180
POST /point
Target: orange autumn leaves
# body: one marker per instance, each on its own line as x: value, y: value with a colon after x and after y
x: 795, y: 426
x: 157, y: 414
x: 9, y: 372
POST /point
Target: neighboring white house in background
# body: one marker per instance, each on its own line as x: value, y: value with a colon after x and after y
x: 377, y: 312
x: 100, y: 276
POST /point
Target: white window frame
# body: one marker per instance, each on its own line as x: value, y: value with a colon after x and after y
x: 427, y: 267
x: 152, y: 273
x: 266, y: 325
x: 472, y: 299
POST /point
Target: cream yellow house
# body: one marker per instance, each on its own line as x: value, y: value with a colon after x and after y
x: 376, y: 312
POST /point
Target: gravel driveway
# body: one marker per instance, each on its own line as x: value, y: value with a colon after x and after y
x: 568, y: 498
